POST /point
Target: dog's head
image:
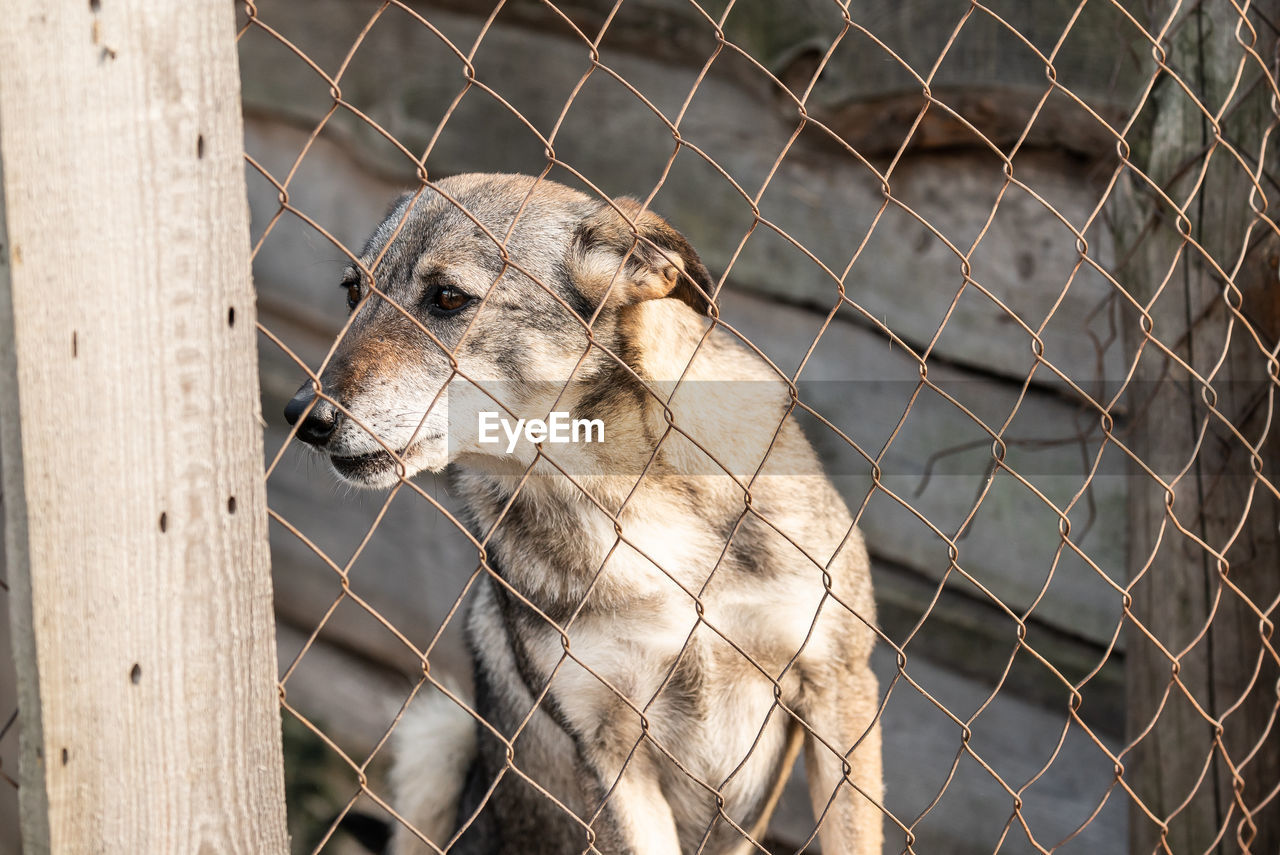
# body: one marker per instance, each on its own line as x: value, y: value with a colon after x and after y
x: 491, y: 281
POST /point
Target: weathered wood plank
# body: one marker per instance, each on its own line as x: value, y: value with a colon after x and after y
x: 906, y: 276
x: 1203, y: 559
x: 934, y: 457
x: 135, y: 511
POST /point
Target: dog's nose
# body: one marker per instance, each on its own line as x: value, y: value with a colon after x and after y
x: 319, y: 424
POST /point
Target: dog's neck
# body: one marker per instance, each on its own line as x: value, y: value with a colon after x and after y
x: 581, y: 495
x: 551, y: 528
x: 675, y: 459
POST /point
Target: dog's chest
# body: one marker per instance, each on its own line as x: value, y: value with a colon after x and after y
x: 704, y: 700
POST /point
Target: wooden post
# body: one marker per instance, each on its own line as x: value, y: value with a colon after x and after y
x: 1202, y: 567
x: 135, y: 512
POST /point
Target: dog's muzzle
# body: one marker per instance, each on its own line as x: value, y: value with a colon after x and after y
x: 320, y: 422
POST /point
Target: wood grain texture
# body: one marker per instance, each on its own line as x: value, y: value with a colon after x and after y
x: 142, y: 597
x: 1203, y: 610
x: 905, y: 276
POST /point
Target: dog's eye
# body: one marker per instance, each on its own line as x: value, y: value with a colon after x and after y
x: 447, y: 300
x: 353, y: 292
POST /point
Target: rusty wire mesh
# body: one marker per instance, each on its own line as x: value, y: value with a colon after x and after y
x: 1201, y: 355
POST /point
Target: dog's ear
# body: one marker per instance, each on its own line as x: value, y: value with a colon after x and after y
x: 659, y: 262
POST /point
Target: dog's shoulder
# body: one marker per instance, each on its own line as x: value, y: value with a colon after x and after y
x: 670, y: 341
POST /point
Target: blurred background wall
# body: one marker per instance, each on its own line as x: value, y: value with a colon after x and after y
x: 905, y: 278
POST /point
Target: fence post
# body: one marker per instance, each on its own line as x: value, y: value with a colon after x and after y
x: 1202, y: 604
x: 135, y: 512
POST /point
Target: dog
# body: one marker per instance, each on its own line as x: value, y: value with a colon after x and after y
x: 665, y: 613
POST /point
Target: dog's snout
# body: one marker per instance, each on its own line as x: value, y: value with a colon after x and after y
x: 319, y: 423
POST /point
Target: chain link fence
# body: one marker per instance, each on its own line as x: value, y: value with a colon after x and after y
x: 1016, y: 266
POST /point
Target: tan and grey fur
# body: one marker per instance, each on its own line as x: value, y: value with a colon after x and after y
x: 686, y: 611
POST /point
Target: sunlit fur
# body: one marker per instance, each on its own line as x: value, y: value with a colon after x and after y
x: 680, y: 627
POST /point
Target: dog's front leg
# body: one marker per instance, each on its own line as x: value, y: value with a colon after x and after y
x: 851, y: 819
x: 636, y: 818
